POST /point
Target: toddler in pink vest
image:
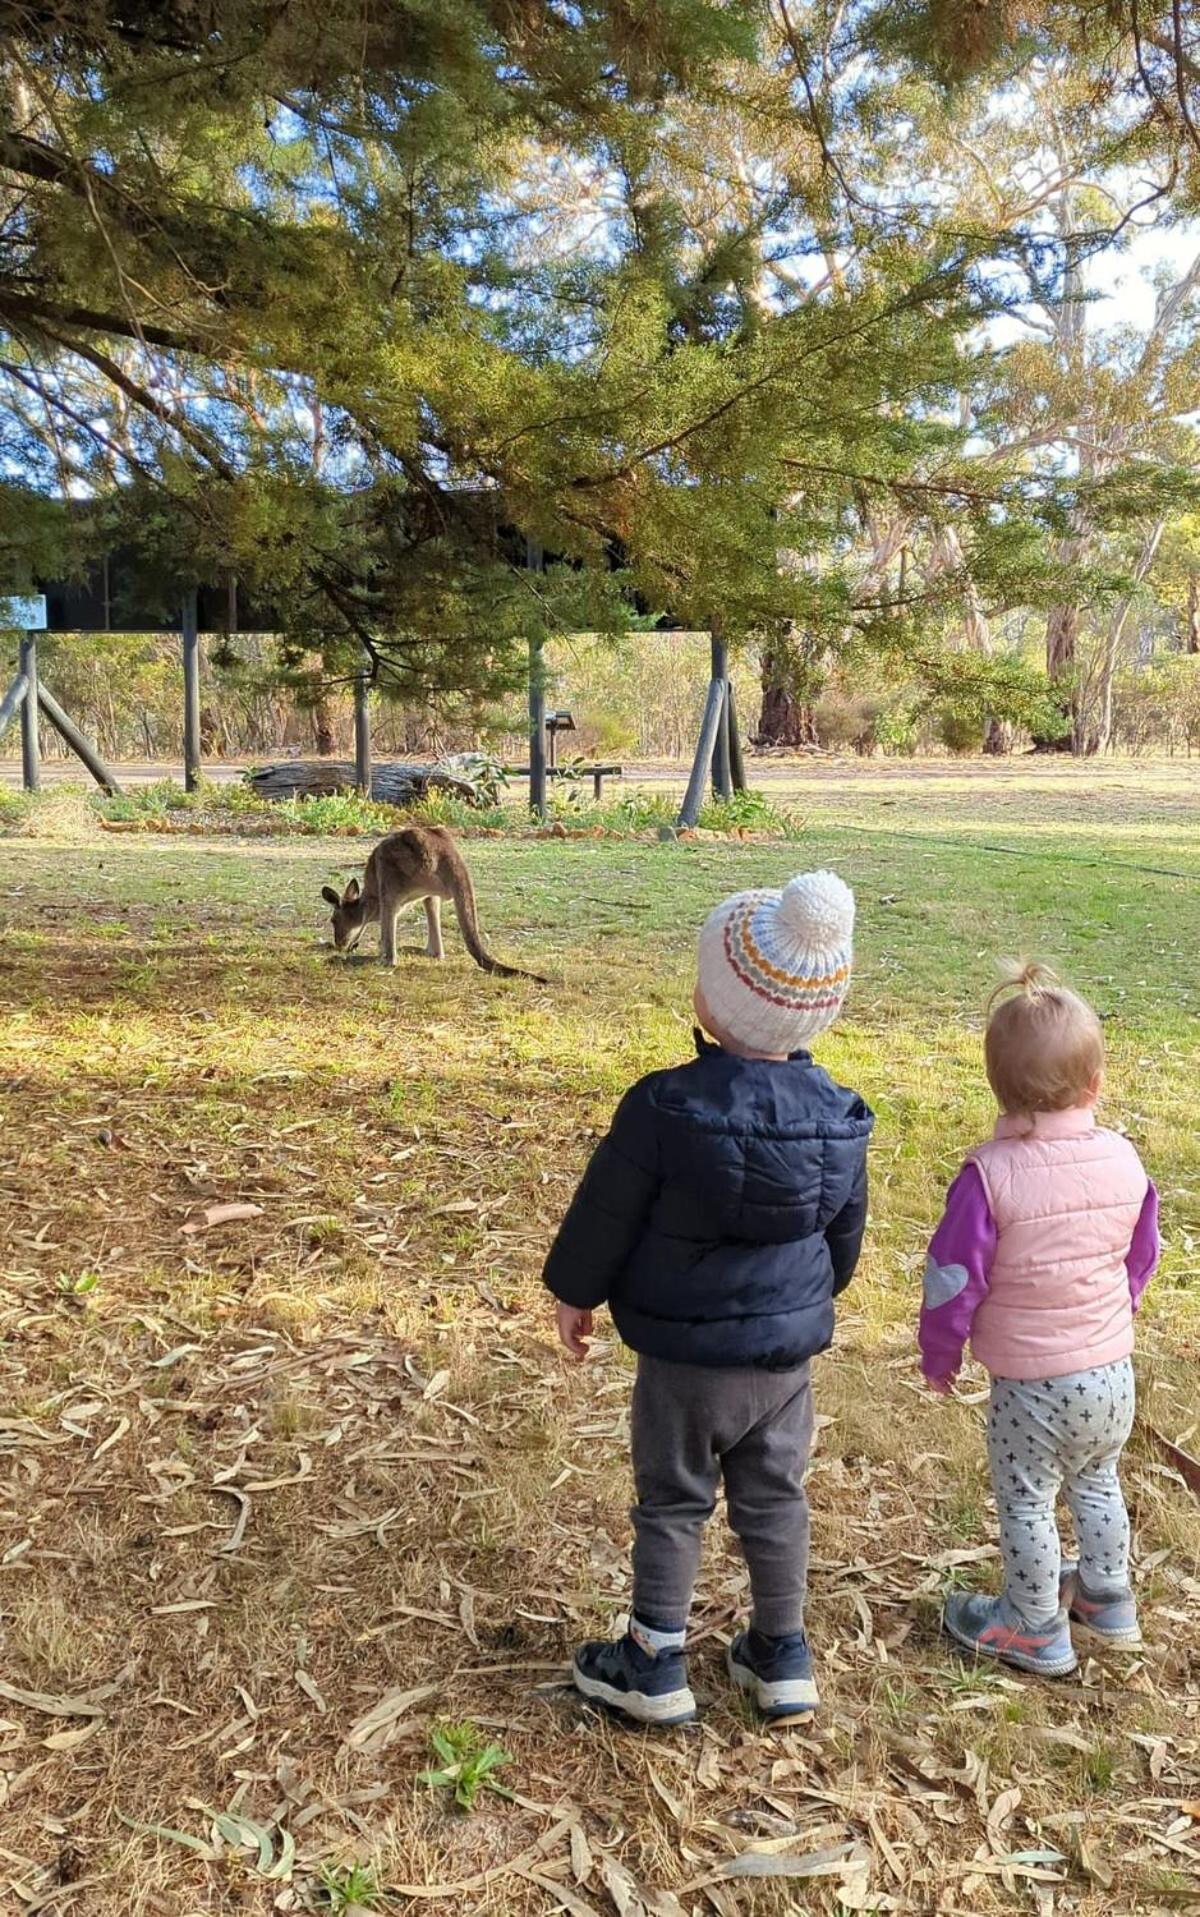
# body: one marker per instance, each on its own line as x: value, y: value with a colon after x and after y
x: 1049, y: 1237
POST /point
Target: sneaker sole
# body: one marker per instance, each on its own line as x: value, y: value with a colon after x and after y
x: 673, y: 1707
x: 1115, y: 1640
x: 1034, y: 1667
x: 787, y: 1697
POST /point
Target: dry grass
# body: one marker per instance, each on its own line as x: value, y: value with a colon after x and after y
x: 258, y: 1476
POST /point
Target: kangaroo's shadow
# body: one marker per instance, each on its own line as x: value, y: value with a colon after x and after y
x: 372, y: 958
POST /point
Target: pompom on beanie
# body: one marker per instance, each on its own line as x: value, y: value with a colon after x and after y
x: 775, y: 966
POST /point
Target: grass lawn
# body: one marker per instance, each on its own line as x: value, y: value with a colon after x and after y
x: 281, y: 1492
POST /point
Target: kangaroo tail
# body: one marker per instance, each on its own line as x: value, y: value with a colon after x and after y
x: 468, y: 924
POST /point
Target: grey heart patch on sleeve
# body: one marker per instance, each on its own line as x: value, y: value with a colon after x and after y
x: 943, y: 1283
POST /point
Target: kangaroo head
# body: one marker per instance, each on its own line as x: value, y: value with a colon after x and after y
x: 349, y: 915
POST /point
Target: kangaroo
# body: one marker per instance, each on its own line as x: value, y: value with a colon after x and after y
x: 421, y: 862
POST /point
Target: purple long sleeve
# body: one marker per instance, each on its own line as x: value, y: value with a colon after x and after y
x: 1144, y: 1249
x: 956, y: 1274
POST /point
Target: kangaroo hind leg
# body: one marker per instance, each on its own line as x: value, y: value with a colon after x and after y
x: 433, y: 917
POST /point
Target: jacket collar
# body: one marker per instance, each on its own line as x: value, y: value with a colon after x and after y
x: 708, y: 1048
x: 1076, y: 1122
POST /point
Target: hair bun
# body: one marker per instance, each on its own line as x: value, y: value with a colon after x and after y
x: 1029, y: 976
x: 818, y: 908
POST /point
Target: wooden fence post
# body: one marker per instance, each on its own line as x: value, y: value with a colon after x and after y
x: 537, y: 701
x: 78, y: 741
x: 11, y: 700
x: 30, y: 749
x: 722, y: 774
x: 737, y: 763
x: 702, y: 762
x: 191, y: 689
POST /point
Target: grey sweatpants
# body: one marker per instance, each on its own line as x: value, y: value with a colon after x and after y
x: 692, y: 1426
x: 1061, y: 1434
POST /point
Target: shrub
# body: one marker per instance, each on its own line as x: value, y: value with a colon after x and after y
x: 896, y: 729
x: 958, y: 729
x: 749, y: 811
x: 14, y: 809
x: 848, y: 721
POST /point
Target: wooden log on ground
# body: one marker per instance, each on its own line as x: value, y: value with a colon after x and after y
x: 392, y: 782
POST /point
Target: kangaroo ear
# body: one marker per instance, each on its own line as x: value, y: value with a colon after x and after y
x: 351, y: 893
x: 329, y: 895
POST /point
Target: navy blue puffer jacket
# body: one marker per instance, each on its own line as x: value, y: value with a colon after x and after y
x: 723, y: 1213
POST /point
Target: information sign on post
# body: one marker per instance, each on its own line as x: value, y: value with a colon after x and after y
x: 23, y: 613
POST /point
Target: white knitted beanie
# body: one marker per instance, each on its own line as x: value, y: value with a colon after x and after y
x: 775, y: 966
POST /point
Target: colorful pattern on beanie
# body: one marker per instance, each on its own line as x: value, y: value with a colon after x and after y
x: 774, y: 967
x: 752, y: 948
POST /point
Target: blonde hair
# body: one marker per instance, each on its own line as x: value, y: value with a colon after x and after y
x: 1044, y: 1046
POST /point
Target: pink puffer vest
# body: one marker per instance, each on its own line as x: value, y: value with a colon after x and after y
x: 1065, y: 1198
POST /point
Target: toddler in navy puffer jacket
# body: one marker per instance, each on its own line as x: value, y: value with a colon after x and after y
x: 718, y: 1221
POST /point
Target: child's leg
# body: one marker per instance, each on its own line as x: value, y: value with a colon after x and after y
x: 768, y: 1509
x: 1102, y: 1419
x: 1024, y: 1446
x: 643, y: 1675
x: 676, y: 1472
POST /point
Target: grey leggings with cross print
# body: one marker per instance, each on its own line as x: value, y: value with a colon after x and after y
x: 1061, y: 1434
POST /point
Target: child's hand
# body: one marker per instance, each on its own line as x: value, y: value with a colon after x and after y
x: 574, y: 1329
x: 943, y: 1386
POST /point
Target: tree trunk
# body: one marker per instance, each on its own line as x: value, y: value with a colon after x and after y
x: 1099, y: 731
x: 784, y: 720
x: 1191, y: 629
x: 323, y: 732
x: 1062, y: 633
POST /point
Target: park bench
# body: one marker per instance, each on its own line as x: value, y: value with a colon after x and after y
x: 563, y: 721
x: 597, y: 774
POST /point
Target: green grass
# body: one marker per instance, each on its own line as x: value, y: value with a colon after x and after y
x: 174, y: 1033
x: 615, y: 924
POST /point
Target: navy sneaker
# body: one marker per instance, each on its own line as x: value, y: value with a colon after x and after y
x: 649, y: 1687
x: 990, y: 1627
x: 777, y: 1672
x: 1111, y: 1618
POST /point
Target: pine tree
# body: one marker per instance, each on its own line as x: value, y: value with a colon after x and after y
x: 355, y: 301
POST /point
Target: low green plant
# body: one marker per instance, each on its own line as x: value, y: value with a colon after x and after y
x: 153, y: 801
x: 638, y: 811
x: 78, y: 1287
x: 566, y: 798
x: 14, y: 809
x: 468, y: 1764
x: 336, y: 812
x: 1100, y: 1768
x: 901, y: 1700
x: 749, y: 811
x: 348, y: 1887
x: 446, y: 808
x: 486, y: 776
x: 965, y: 1517
x: 236, y: 799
